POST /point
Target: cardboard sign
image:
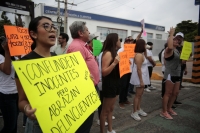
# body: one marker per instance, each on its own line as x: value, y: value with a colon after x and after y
x: 61, y: 90
x: 97, y: 47
x: 130, y: 50
x: 124, y: 64
x: 19, y: 41
x: 186, y: 50
x: 143, y: 27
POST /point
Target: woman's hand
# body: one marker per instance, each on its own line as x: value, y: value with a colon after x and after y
x: 171, y: 31
x: 116, y: 61
x: 5, y: 45
x: 29, y: 112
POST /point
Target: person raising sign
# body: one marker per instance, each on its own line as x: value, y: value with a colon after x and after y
x: 43, y: 33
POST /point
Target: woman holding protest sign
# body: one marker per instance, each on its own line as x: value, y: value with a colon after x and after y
x: 110, y: 79
x: 8, y: 90
x: 43, y: 33
x: 139, y: 78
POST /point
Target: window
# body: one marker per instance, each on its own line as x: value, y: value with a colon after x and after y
x: 105, y: 31
x: 135, y: 33
x: 149, y: 35
x: 158, y: 36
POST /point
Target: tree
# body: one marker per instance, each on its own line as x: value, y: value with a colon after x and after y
x: 188, y: 28
x: 4, y: 21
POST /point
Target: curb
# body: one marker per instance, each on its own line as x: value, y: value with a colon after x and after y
x: 157, y: 76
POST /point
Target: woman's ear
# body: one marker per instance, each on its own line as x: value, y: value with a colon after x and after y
x: 33, y: 34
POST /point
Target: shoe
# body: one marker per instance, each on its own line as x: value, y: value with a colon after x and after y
x: 113, y: 131
x: 176, y: 102
x: 142, y: 113
x: 166, y: 115
x: 121, y: 105
x: 132, y: 92
x: 113, y: 117
x: 147, y: 90
x: 24, y: 125
x: 98, y: 123
x: 182, y: 86
x: 151, y: 87
x: 174, y: 107
x: 171, y: 112
x: 127, y: 102
x: 135, y: 116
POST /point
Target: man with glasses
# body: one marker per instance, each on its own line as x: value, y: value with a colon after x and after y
x: 62, y: 47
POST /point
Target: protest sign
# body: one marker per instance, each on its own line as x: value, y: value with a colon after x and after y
x: 19, y: 41
x: 143, y: 28
x: 61, y: 90
x: 97, y: 47
x: 130, y: 50
x: 186, y: 50
x: 124, y: 64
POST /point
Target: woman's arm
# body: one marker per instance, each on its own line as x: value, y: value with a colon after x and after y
x: 23, y: 103
x: 170, y: 46
x: 106, y: 67
x: 6, y: 66
x: 139, y: 58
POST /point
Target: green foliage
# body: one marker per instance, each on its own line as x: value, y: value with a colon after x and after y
x: 3, y: 22
x: 188, y: 28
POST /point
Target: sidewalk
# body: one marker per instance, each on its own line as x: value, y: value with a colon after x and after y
x: 187, y: 121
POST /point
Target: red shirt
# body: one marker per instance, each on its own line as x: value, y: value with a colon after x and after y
x: 79, y: 45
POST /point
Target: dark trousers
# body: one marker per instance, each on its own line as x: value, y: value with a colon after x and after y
x: 124, y: 85
x: 183, y: 66
x: 86, y: 126
x: 163, y: 86
x: 101, y: 99
x: 150, y: 68
x: 130, y: 88
x: 9, y: 109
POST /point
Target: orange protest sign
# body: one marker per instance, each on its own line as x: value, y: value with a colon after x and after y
x: 19, y: 41
x: 124, y: 65
x: 130, y: 49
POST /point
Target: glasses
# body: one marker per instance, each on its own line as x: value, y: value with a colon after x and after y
x: 49, y: 27
x: 120, y: 39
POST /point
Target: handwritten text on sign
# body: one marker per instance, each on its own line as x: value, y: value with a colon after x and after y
x: 60, y: 89
x: 130, y: 50
x: 19, y: 41
x: 186, y: 50
x: 124, y: 64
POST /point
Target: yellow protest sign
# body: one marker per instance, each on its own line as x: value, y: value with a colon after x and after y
x: 124, y: 64
x: 186, y: 50
x: 61, y: 90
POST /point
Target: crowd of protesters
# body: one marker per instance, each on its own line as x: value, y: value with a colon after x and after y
x: 104, y: 70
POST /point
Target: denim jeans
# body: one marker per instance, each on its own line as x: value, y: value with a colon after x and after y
x: 32, y: 126
x: 9, y: 109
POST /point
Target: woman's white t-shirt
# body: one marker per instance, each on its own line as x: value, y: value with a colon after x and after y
x: 7, y: 82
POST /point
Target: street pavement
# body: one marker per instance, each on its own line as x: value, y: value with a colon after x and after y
x: 187, y: 121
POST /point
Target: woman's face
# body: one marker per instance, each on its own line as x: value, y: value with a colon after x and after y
x: 118, y: 43
x: 175, y: 42
x: 46, y: 33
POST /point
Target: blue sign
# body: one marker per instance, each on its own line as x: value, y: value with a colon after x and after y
x: 197, y: 2
x: 76, y: 14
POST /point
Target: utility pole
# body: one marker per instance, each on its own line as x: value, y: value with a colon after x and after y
x: 59, y: 20
x: 58, y: 11
x: 65, y: 18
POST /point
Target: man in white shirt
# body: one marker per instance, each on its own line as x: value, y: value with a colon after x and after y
x: 150, y: 63
x: 62, y: 47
